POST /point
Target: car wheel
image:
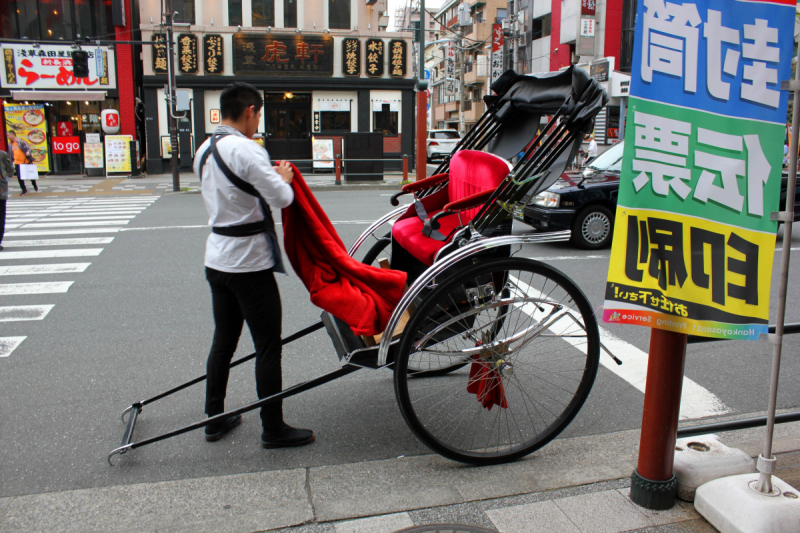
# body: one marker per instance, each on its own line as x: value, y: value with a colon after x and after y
x: 593, y: 228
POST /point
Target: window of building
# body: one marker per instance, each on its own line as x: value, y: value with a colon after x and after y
x: 263, y: 13
x: 334, y: 121
x: 185, y: 9
x: 385, y: 121
x: 541, y: 27
x: 628, y: 27
x: 235, y: 13
x: 479, y: 17
x: 55, y: 20
x: 290, y: 14
x: 339, y: 14
x: 502, y: 13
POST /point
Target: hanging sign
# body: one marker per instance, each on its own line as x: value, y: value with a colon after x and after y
x: 213, y: 62
x: 187, y: 53
x: 397, y: 58
x: 50, y: 67
x: 588, y: 7
x: 109, y: 120
x: 693, y: 241
x: 375, y: 49
x: 316, y: 121
x: 28, y: 122
x: 160, y: 54
x: 282, y: 55
x: 497, y: 52
x: 66, y: 145
x: 64, y: 128
x: 351, y: 57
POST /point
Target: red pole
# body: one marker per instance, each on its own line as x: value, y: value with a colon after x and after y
x: 405, y: 167
x: 338, y: 165
x: 653, y: 483
x: 422, y: 134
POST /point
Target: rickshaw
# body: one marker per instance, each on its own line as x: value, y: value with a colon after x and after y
x: 493, y: 355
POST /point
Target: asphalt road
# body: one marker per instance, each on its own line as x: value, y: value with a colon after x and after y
x: 137, y: 321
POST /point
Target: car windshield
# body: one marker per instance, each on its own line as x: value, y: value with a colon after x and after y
x: 610, y: 160
x: 444, y: 135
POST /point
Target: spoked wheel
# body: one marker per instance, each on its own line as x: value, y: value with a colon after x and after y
x: 528, y: 345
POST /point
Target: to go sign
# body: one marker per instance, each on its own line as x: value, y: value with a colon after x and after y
x: 66, y: 145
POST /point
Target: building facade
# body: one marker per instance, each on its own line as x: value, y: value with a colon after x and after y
x: 51, y: 108
x: 327, y: 68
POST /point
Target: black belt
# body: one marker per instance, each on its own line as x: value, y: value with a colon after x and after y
x: 240, y: 230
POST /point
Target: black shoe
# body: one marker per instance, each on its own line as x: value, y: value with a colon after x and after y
x: 1, y: 247
x: 286, y: 437
x: 216, y: 430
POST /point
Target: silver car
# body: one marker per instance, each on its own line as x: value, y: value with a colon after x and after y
x: 441, y: 143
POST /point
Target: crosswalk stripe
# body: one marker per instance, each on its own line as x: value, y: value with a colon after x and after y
x: 60, y: 232
x: 9, y: 344
x: 18, y: 313
x: 50, y: 287
x: 81, y: 212
x: 75, y: 224
x: 57, y: 242
x: 47, y: 254
x: 59, y: 268
x: 60, y: 218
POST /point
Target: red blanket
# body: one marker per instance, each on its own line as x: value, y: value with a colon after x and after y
x: 362, y: 296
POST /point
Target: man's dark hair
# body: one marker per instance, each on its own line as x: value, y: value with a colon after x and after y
x: 12, y: 131
x: 236, y: 98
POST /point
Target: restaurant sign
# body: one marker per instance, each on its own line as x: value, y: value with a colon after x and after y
x: 282, y: 55
x: 398, y: 56
x: 375, y: 49
x: 351, y: 57
x: 187, y: 53
x: 50, y: 67
x: 160, y: 54
x: 212, y: 54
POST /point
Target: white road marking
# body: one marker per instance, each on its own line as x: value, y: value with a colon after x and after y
x: 19, y: 313
x: 9, y: 344
x: 696, y: 401
x: 97, y: 212
x: 50, y: 287
x: 76, y: 224
x: 61, y: 232
x: 47, y: 254
x: 61, y: 218
x: 58, y: 242
x: 59, y: 268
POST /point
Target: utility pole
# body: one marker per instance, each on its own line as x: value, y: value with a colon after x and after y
x: 508, y: 32
x: 462, y: 93
x: 170, y: 97
x: 422, y: 100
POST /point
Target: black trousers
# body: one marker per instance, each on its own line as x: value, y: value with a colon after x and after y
x: 236, y: 298
x: 2, y: 218
x: 22, y: 183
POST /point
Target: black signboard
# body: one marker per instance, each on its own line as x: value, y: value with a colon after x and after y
x: 397, y: 59
x: 375, y: 50
x: 160, y: 54
x: 212, y: 54
x: 187, y: 53
x: 351, y: 57
x: 282, y: 55
x: 316, y: 121
x: 599, y: 70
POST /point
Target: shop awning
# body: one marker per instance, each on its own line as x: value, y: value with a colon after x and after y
x: 94, y: 96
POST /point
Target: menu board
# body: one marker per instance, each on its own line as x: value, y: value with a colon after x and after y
x: 323, y: 152
x: 118, y: 153
x: 93, y: 155
x: 29, y: 124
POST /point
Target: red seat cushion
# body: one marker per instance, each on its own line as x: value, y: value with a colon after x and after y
x: 471, y: 172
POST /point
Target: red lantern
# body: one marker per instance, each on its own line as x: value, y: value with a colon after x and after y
x: 109, y: 120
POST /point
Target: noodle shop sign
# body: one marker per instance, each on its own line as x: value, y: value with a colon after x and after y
x: 282, y: 55
x: 50, y: 67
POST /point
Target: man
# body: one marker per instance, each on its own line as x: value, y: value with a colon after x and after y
x: 241, y: 254
x: 6, y: 171
x: 22, y: 156
x: 591, y: 152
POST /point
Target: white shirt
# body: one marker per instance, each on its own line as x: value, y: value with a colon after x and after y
x: 227, y: 205
x: 592, y: 148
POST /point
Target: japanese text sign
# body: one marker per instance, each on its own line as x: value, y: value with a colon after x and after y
x: 497, y: 52
x: 397, y: 59
x: 160, y: 54
x: 187, y: 53
x: 693, y: 240
x: 50, y: 67
x: 375, y: 50
x: 283, y: 55
x: 213, y: 62
x: 351, y: 57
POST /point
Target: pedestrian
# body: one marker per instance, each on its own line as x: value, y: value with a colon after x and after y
x: 22, y: 156
x: 591, y: 152
x: 786, y: 153
x: 239, y: 184
x: 6, y: 171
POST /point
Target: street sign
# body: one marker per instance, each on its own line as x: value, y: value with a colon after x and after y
x: 427, y: 74
x: 701, y: 173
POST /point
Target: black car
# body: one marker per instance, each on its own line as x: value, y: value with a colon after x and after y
x: 586, y: 202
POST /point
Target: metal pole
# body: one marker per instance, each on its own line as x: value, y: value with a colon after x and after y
x: 766, y: 463
x: 462, y: 92
x: 422, y: 100
x: 173, y: 123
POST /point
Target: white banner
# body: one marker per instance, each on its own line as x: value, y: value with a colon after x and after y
x: 334, y: 105
x: 50, y: 67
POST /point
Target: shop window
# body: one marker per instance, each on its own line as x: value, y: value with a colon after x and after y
x: 263, y: 13
x: 385, y: 121
x: 54, y: 20
x: 339, y: 14
x: 235, y: 12
x: 335, y: 121
x: 290, y: 14
x: 185, y: 9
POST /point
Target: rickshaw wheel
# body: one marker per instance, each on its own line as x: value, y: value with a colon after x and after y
x: 530, y: 343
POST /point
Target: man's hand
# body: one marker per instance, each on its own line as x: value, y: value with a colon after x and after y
x: 285, y: 170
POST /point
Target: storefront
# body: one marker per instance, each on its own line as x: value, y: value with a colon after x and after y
x: 317, y: 87
x: 51, y: 109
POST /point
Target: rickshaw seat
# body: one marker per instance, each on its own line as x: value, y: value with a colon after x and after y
x: 470, y: 172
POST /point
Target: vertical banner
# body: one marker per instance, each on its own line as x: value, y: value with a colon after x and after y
x: 374, y: 58
x: 213, y: 57
x: 27, y: 121
x: 497, y: 52
x: 351, y: 57
x: 450, y: 83
x: 693, y: 240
